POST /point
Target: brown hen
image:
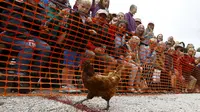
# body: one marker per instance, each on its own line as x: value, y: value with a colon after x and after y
x: 100, y: 85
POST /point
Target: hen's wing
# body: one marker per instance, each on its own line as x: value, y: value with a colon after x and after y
x: 100, y: 82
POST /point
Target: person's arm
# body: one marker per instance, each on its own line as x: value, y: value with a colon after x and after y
x: 143, y: 55
x: 55, y: 18
x: 94, y: 11
x: 66, y: 30
x: 90, y: 46
x: 137, y: 57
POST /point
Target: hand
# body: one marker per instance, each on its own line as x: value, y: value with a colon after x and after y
x: 163, y: 69
x: 21, y: 1
x: 32, y: 43
x: 142, y: 38
x: 61, y: 38
x: 150, y: 34
x: 44, y: 28
x: 191, y: 64
x: 133, y: 32
x: 93, y: 32
x: 89, y: 20
x: 121, y: 57
x: 99, y: 50
x: 132, y: 54
x: 64, y: 11
x: 140, y: 68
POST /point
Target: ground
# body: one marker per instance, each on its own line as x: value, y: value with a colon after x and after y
x: 156, y: 103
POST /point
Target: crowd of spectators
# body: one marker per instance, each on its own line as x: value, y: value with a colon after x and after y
x: 37, y: 28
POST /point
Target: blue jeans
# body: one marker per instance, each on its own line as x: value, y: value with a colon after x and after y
x: 72, y: 58
x: 25, y: 54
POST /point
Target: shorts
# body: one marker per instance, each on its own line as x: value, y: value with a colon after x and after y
x: 72, y: 58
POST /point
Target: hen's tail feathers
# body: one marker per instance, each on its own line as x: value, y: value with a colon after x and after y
x: 87, y: 67
x: 119, y: 68
x: 117, y: 72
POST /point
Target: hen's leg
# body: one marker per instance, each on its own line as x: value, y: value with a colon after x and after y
x: 89, y: 96
x: 80, y: 102
x: 108, y: 105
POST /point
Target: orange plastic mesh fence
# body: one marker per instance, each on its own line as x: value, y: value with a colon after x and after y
x: 42, y: 51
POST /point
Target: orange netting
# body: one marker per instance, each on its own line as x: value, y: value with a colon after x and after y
x: 43, y: 51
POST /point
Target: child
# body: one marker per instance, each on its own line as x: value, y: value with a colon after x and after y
x: 130, y: 53
x: 188, y: 64
x: 169, y: 67
x: 120, y: 35
x: 75, y: 43
x: 160, y: 65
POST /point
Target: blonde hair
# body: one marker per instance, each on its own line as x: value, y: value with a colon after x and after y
x: 191, y: 49
x: 134, y: 39
x: 120, y: 13
x: 153, y: 40
x: 85, y: 2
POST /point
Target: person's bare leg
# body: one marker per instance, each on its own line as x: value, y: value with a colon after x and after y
x: 67, y: 76
x: 66, y: 83
x: 132, y: 77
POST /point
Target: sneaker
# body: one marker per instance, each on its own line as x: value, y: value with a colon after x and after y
x: 132, y: 90
x: 69, y: 89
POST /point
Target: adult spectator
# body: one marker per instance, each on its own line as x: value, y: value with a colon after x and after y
x: 170, y: 42
x: 114, y: 19
x: 103, y: 4
x: 148, y: 54
x: 140, y: 32
x: 130, y: 19
x: 148, y: 33
x: 120, y: 16
x: 138, y: 21
x: 25, y: 42
x: 160, y: 37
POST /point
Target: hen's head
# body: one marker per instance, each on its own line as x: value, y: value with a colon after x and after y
x: 88, y: 68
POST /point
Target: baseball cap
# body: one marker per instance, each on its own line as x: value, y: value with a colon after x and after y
x: 138, y: 20
x: 102, y: 11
